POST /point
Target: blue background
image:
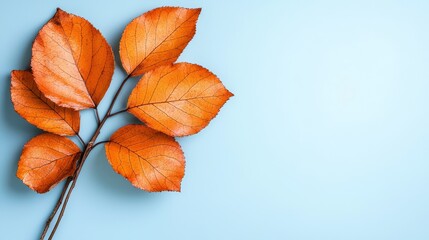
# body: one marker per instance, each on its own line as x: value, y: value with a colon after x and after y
x: 326, y: 138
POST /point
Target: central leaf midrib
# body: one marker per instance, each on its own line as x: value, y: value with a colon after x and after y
x: 39, y: 95
x: 172, y: 101
x: 75, y: 62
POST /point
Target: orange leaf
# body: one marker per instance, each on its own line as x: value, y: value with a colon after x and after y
x: 72, y: 63
x: 29, y: 102
x: 179, y: 99
x: 150, y: 160
x: 156, y: 38
x: 46, y: 160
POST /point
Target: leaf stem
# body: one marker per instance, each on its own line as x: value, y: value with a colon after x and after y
x: 80, y: 139
x: 65, y: 195
x: 97, y: 115
x: 102, y: 142
x: 118, y: 112
x: 115, y: 97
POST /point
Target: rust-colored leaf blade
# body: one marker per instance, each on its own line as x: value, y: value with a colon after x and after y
x: 30, y: 104
x: 156, y: 38
x: 72, y: 63
x: 150, y: 160
x: 46, y: 160
x: 179, y: 99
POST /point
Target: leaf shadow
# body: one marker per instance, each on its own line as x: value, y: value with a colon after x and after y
x: 114, y: 43
x: 14, y: 184
x: 102, y: 174
x: 7, y: 113
x: 16, y: 124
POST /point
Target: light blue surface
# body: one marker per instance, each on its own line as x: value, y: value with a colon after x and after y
x: 326, y: 138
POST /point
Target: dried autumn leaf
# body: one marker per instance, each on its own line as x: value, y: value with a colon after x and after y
x: 46, y: 160
x: 156, y: 38
x: 179, y: 99
x: 150, y: 160
x: 30, y: 103
x: 72, y: 63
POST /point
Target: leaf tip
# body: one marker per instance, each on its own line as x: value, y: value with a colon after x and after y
x: 59, y: 10
x: 198, y: 10
x: 59, y: 14
x: 13, y: 74
x: 229, y: 94
x: 21, y: 175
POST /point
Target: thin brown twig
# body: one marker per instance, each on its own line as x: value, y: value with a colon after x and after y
x: 75, y: 176
x: 57, y: 206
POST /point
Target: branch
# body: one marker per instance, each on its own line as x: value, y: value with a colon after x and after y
x: 75, y: 176
x: 57, y: 206
x: 65, y: 195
